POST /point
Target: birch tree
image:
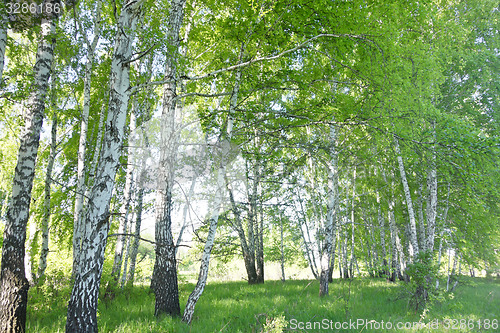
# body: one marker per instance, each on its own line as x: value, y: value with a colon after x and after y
x: 409, y: 202
x: 330, y: 228
x: 164, y: 280
x: 221, y: 161
x: 13, y: 283
x: 82, y: 307
x: 78, y: 223
x: 44, y: 251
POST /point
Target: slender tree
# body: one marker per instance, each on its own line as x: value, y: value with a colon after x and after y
x: 82, y: 307
x: 13, y: 283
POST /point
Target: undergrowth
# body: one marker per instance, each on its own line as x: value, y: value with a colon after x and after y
x: 271, y: 307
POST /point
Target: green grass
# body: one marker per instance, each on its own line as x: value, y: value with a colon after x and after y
x: 238, y: 307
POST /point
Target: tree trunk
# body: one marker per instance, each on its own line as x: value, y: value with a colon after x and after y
x: 13, y: 283
x: 381, y: 225
x: 432, y: 200
x: 396, y: 267
x: 125, y: 208
x: 260, y: 248
x: 248, y: 257
x: 28, y: 255
x: 282, y: 249
x: 307, y: 240
x: 4, y: 25
x: 164, y: 280
x: 185, y: 213
x: 225, y: 150
x: 138, y: 218
x: 353, y: 204
x: 205, y: 259
x: 44, y: 251
x: 345, y: 265
x: 421, y: 223
x: 127, y: 254
x: 413, y: 249
x: 82, y: 307
x: 78, y: 223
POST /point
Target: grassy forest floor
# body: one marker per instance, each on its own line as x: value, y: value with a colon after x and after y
x: 276, y: 306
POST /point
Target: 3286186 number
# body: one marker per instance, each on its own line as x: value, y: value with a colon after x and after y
x: 33, y: 8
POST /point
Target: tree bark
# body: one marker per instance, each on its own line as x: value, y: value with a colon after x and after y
x: 353, y: 205
x: 413, y: 249
x: 421, y: 223
x: 138, y: 217
x: 44, y: 251
x: 82, y: 307
x: 432, y: 199
x: 164, y: 280
x: 381, y: 224
x: 332, y: 194
x: 78, y: 223
x: 396, y: 266
x: 248, y: 257
x: 13, y: 283
x: 307, y: 240
x: 125, y: 208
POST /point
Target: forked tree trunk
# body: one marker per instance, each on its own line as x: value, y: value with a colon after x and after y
x: 82, y: 307
x: 13, y: 283
x: 248, y: 257
x: 306, y: 238
x: 164, y: 280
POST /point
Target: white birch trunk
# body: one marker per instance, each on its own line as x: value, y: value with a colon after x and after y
x: 139, y: 207
x: 28, y: 264
x: 432, y: 200
x: 332, y: 194
x: 413, y: 250
x: 421, y: 223
x: 13, y: 283
x: 396, y: 266
x: 351, y: 260
x: 381, y: 225
x: 44, y: 251
x: 125, y: 208
x: 445, y: 217
x: 82, y: 307
x: 282, y: 249
x: 78, y: 223
x: 137, y: 234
